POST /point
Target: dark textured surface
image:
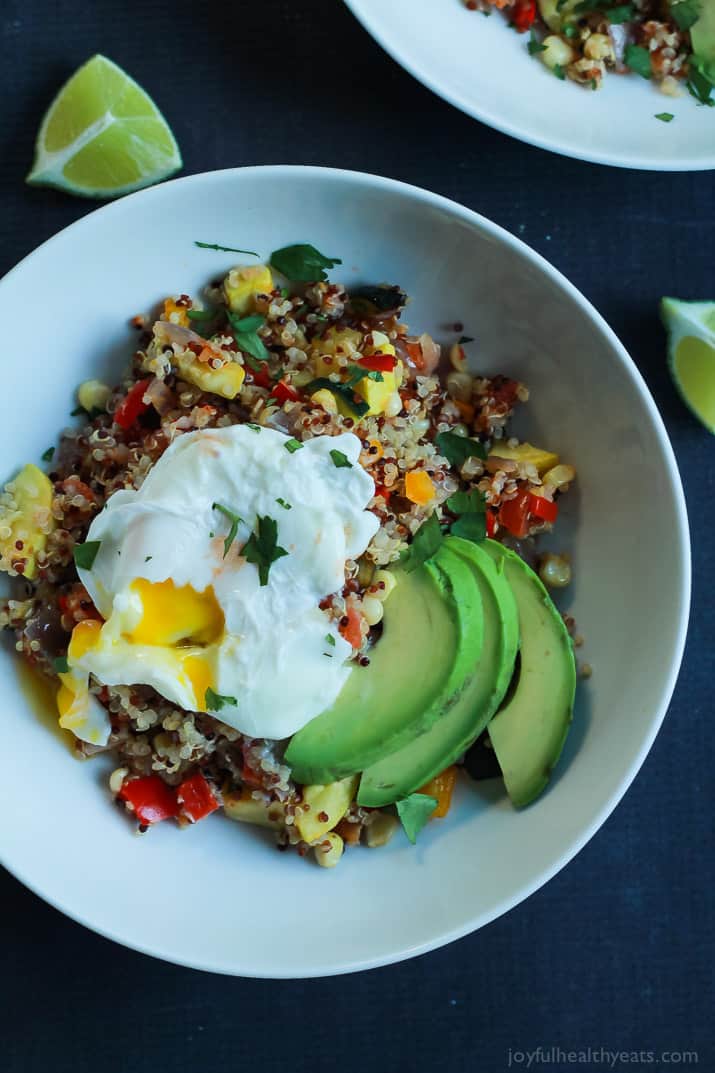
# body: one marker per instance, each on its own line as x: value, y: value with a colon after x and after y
x: 616, y: 952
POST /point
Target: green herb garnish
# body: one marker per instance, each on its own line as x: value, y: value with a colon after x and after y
x: 465, y: 339
x: 224, y: 249
x: 457, y: 449
x: 201, y: 314
x: 559, y: 71
x: 345, y: 392
x: 215, y: 701
x: 665, y: 117
x: 470, y: 527
x: 48, y: 454
x: 253, y: 428
x: 85, y: 554
x: 638, y: 59
x: 621, y: 13
x: 533, y: 45
x: 292, y: 445
x: 330, y: 640
x: 570, y: 31
x: 245, y: 332
x: 473, y: 502
x: 148, y: 557
x: 414, y: 812
x: 303, y: 262
x: 701, y: 79
x: 686, y: 13
x: 262, y: 547
x: 235, y: 521
x: 340, y: 460
x: 282, y: 503
x: 425, y: 544
x: 60, y: 665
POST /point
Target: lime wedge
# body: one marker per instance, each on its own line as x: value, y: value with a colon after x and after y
x: 103, y: 136
x: 691, y: 354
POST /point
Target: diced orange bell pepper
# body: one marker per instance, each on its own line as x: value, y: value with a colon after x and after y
x: 175, y: 313
x: 351, y: 629
x: 419, y: 488
x: 441, y: 788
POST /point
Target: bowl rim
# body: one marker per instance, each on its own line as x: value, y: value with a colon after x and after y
x: 639, y: 162
x: 681, y: 539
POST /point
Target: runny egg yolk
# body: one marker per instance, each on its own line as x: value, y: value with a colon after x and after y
x: 172, y: 614
x: 72, y: 693
x: 198, y: 671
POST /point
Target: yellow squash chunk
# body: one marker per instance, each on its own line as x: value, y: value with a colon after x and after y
x: 242, y: 807
x: 25, y: 515
x: 242, y: 284
x: 175, y: 313
x: 377, y: 393
x: 527, y: 454
x: 226, y: 381
x: 419, y: 488
x: 328, y: 805
x: 555, y: 13
x: 336, y: 342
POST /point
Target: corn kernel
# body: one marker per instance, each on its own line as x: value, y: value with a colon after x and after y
x: 329, y: 851
x: 384, y: 581
x: 372, y: 610
x: 175, y: 313
x: 326, y: 399
x: 93, y: 395
x: 381, y: 830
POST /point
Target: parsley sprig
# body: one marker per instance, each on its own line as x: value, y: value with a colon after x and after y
x: 245, y: 332
x: 216, y: 701
x: 303, y: 263
x: 85, y: 554
x: 262, y: 547
x: 235, y: 520
x: 425, y: 544
x: 224, y: 249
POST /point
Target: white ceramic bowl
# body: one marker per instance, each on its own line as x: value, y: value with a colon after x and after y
x: 482, y: 66
x: 218, y: 896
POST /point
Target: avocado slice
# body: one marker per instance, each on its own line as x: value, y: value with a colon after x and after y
x: 405, y: 770
x: 415, y: 670
x: 529, y: 732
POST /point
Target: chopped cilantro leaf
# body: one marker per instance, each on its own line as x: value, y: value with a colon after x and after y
x: 559, y: 71
x: 262, y: 547
x: 292, y: 445
x: 330, y: 640
x: 85, y: 554
x: 533, y: 45
x: 345, y: 392
x: 245, y: 331
x: 148, y: 557
x: 665, y: 117
x: 253, y: 428
x: 473, y: 502
x: 340, y: 460
x: 621, y: 13
x: 470, y: 527
x: 685, y: 13
x: 282, y: 503
x: 414, y: 812
x: 60, y: 665
x: 638, y: 59
x: 425, y: 543
x: 215, y: 701
x: 224, y: 249
x: 465, y: 339
x: 48, y: 454
x: 701, y: 79
x: 303, y: 262
x: 201, y: 314
x: 235, y: 521
x: 457, y: 449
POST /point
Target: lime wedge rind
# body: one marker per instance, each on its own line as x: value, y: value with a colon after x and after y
x: 156, y: 156
x: 691, y: 354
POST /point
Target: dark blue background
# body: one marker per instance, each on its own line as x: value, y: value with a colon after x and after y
x: 617, y: 951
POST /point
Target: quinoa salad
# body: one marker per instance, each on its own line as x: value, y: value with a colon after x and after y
x: 669, y: 42
x: 288, y: 567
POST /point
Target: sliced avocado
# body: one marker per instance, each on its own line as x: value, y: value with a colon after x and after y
x: 405, y: 770
x: 702, y: 34
x: 529, y: 732
x: 416, y: 667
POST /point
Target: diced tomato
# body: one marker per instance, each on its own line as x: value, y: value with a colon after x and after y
x: 132, y: 405
x: 249, y: 776
x: 543, y: 508
x: 196, y: 798
x: 491, y: 523
x: 380, y: 490
x: 150, y: 797
x: 351, y: 629
x: 378, y: 363
x: 262, y: 378
x: 523, y: 14
x: 514, y: 514
x: 283, y: 392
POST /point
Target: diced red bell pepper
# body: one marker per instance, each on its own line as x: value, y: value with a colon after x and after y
x: 196, y: 798
x: 283, y: 392
x: 378, y: 363
x: 523, y: 14
x: 150, y: 797
x: 262, y: 378
x: 540, y: 507
x: 132, y: 405
x: 491, y: 523
x: 514, y: 514
x: 380, y: 490
x: 351, y: 629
